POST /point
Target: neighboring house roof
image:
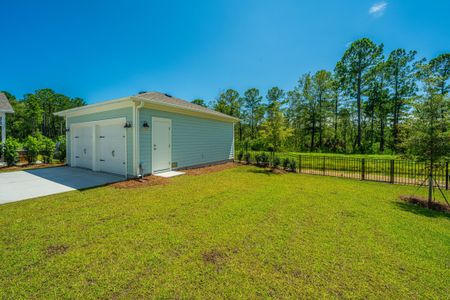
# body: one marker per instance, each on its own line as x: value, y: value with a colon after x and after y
x: 161, y: 100
x: 5, y: 106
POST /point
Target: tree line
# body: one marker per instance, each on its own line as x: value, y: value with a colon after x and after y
x: 367, y: 104
x: 34, y: 114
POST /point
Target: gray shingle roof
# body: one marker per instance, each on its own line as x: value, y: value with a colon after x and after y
x: 169, y: 100
x: 5, y: 106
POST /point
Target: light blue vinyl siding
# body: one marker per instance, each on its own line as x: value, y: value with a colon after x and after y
x: 126, y: 112
x: 195, y: 140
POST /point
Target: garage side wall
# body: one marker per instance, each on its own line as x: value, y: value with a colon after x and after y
x: 126, y: 112
x: 195, y: 140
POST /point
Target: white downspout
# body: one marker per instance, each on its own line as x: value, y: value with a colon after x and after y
x: 137, y: 151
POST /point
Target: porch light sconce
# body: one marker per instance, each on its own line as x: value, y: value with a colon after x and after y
x: 127, y: 124
x: 145, y: 124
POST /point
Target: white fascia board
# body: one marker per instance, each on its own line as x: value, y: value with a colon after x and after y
x: 183, y: 110
x: 97, y: 107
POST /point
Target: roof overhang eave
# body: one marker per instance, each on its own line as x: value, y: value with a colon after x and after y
x: 222, y: 116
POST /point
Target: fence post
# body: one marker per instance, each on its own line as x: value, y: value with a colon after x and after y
x: 299, y: 163
x: 446, y: 175
x: 323, y: 166
x: 392, y: 171
x: 363, y: 168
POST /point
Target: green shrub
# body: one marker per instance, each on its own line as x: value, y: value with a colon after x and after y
x: 265, y: 158
x: 258, y: 158
x: 32, y: 145
x: 47, y: 149
x: 276, y: 162
x: 247, y: 157
x: 285, y: 163
x: 9, y: 151
x: 293, y: 165
x: 60, y: 153
x: 262, y: 159
x: 240, y: 155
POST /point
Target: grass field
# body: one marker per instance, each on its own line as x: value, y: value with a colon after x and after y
x: 238, y: 233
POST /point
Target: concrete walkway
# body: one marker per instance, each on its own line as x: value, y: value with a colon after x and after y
x: 21, y: 185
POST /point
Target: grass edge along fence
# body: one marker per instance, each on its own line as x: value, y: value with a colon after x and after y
x: 394, y: 171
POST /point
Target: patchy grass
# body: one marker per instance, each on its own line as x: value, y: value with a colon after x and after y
x: 237, y: 233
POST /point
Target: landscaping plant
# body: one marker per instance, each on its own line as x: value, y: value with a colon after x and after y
x: 240, y: 155
x: 9, y: 151
x: 247, y: 157
x: 61, y: 148
x: 276, y: 162
x: 292, y: 165
x: 285, y: 163
x: 47, y: 149
x: 32, y: 145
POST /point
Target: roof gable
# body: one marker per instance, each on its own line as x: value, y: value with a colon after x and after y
x: 5, y: 106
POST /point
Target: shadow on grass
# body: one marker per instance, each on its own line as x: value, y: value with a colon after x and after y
x: 418, y: 210
x: 262, y: 171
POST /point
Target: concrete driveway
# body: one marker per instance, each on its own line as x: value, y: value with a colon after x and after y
x: 21, y: 185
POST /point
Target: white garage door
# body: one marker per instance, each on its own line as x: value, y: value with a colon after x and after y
x: 82, y: 146
x: 111, y: 148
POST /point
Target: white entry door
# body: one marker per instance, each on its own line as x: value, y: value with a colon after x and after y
x: 111, y: 142
x: 82, y: 146
x: 162, y: 139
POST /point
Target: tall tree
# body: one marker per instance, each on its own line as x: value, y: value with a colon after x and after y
x: 230, y: 103
x: 378, y: 105
x: 322, y: 82
x: 200, y: 102
x: 274, y: 129
x: 355, y: 72
x: 254, y: 109
x: 401, y: 71
x: 439, y: 73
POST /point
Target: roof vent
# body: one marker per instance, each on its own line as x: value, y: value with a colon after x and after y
x: 168, y: 95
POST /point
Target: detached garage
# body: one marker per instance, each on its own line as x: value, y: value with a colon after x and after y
x: 146, y: 134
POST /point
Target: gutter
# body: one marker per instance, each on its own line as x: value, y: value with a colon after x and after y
x: 137, y: 150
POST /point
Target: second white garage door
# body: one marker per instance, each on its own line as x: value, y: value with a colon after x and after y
x: 111, y: 148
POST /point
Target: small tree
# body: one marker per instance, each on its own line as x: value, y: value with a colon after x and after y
x: 428, y: 142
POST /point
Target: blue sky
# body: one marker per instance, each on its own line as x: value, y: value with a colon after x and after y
x: 101, y: 50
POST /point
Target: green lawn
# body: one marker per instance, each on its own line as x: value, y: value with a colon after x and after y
x: 238, y: 233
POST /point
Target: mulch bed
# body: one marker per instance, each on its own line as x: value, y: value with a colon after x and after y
x: 155, y: 180
x: 30, y: 166
x: 422, y: 202
x: 210, y: 169
x: 136, y: 183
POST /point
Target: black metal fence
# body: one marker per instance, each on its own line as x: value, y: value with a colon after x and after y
x: 395, y: 171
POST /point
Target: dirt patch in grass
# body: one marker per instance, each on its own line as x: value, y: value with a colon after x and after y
x: 214, y: 257
x: 56, y: 250
x: 211, y: 169
x: 278, y: 171
x: 422, y: 202
x: 29, y: 167
x: 143, y: 182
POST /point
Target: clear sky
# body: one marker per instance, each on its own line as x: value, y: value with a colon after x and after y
x: 100, y: 50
